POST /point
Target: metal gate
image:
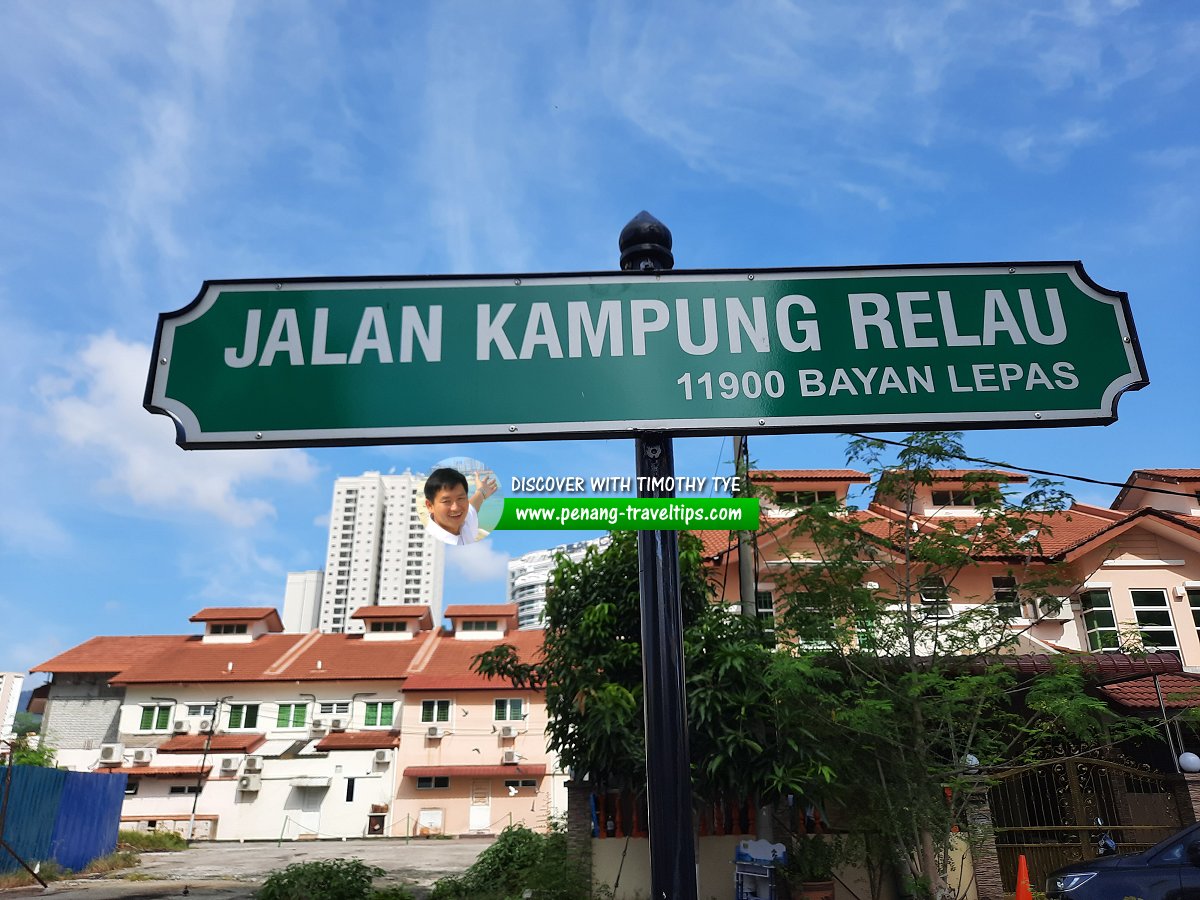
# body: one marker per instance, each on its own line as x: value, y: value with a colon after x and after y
x: 1047, y: 813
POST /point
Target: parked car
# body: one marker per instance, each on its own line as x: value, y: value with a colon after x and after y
x: 1170, y: 870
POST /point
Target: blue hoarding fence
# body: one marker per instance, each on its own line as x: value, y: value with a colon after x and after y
x: 69, y: 817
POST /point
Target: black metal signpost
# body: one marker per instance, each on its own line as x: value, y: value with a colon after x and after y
x: 646, y: 246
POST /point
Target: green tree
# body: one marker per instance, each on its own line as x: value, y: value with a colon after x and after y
x: 25, y: 750
x: 748, y: 726
x: 920, y: 705
x: 26, y: 723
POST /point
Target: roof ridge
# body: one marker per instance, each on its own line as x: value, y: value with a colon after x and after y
x: 421, y: 658
x: 289, y: 656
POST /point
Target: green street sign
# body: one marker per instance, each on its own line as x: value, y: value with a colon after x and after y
x: 308, y: 362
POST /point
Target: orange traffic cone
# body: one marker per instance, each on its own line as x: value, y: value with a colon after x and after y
x: 1023, y: 891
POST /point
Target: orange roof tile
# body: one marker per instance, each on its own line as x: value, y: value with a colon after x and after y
x: 1099, y: 667
x: 360, y: 740
x: 1174, y: 475
x: 715, y: 543
x: 406, y: 611
x: 240, y: 614
x: 193, y: 660
x: 851, y: 475
x: 156, y: 771
x: 217, y: 743
x: 338, y: 656
x: 271, y: 657
x: 112, y: 653
x: 1099, y: 511
x: 449, y: 665
x: 1179, y: 691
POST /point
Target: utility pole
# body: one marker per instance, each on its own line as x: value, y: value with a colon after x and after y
x: 646, y: 247
x: 748, y: 591
x: 203, y: 759
x: 745, y: 540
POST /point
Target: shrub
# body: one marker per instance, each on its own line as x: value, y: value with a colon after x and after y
x: 518, y: 861
x: 327, y: 879
x: 122, y: 859
x: 49, y: 870
x: 151, y: 840
x: 394, y: 892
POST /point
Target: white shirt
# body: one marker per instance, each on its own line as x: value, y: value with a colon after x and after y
x: 468, y: 535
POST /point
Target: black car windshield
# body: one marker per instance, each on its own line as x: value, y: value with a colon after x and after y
x: 1174, y: 848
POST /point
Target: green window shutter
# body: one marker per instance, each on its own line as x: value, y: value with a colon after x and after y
x: 164, y: 718
x: 372, y: 713
x: 251, y: 715
x: 387, y: 710
x: 517, y: 711
x: 299, y: 714
x: 147, y: 718
x: 426, y: 711
x: 501, y: 710
x: 443, y: 712
x: 235, y: 716
x: 285, y: 716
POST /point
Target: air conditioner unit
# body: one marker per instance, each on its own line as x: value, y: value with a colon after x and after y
x: 434, y: 731
x: 143, y: 756
x: 508, y: 731
x: 228, y: 763
x: 112, y: 754
x: 180, y: 726
x: 253, y: 763
x: 510, y: 758
x: 1056, y: 609
x: 337, y: 724
x: 382, y: 756
x: 250, y: 783
x: 206, y: 726
x: 317, y: 724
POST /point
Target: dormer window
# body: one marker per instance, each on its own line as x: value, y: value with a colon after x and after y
x: 805, y: 498
x: 953, y: 498
x: 479, y: 625
x: 238, y: 624
x: 389, y: 626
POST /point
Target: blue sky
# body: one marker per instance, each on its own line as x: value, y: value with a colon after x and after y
x: 147, y: 147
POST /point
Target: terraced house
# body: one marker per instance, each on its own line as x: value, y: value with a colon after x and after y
x: 1127, y: 610
x: 246, y: 732
x: 1135, y: 566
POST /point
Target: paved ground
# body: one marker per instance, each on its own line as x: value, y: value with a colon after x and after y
x: 232, y: 871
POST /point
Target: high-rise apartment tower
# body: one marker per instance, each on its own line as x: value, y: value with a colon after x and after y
x: 379, y: 552
x: 528, y: 574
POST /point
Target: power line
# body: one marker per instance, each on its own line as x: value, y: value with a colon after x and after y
x: 1003, y: 465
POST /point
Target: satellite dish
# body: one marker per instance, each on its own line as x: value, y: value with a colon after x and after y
x: 1189, y: 762
x: 512, y: 790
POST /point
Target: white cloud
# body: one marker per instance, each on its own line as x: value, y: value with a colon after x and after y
x: 1177, y: 157
x: 235, y: 573
x: 98, y: 414
x: 478, y: 562
x: 1050, y: 148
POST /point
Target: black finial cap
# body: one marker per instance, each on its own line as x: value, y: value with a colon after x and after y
x: 645, y: 244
